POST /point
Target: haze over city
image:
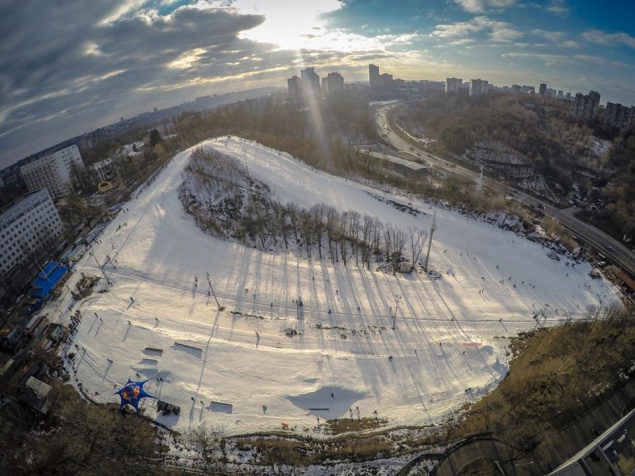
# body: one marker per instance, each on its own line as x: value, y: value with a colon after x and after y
x: 68, y: 68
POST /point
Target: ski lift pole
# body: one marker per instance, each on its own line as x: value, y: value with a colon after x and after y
x: 432, y: 229
x: 213, y: 293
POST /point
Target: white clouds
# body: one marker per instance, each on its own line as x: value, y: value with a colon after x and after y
x: 464, y: 41
x: 499, y: 31
x: 549, y: 59
x: 552, y: 59
x: 609, y: 39
x: 557, y: 37
x: 478, y: 6
x: 551, y: 35
x: 557, y: 7
x: 599, y: 60
x: 288, y: 22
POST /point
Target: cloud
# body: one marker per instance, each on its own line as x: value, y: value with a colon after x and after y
x: 557, y: 37
x: 552, y: 59
x: 59, y: 78
x: 499, y: 31
x: 478, y: 6
x: 558, y: 7
x: 599, y: 60
x: 549, y: 59
x: 609, y: 39
x: 551, y: 35
x: 571, y: 44
x: 464, y: 41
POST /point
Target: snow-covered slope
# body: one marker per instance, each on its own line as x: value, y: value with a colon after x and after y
x: 237, y: 369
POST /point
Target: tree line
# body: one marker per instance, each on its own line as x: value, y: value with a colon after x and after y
x: 229, y: 204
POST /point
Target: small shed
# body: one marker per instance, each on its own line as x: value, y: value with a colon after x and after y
x: 35, y: 394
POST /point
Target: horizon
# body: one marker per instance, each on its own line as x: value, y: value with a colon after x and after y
x: 60, y: 79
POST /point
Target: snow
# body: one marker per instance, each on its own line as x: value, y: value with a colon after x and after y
x: 449, y: 345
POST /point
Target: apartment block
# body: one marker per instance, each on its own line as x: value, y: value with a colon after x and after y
x: 332, y: 83
x: 53, y: 171
x: 616, y: 115
x: 478, y: 87
x: 27, y: 225
x: 586, y: 106
x: 453, y: 85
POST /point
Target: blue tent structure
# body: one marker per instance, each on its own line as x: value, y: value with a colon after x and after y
x: 131, y: 393
x: 47, y: 279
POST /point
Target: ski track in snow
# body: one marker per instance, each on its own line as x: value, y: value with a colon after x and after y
x: 448, y: 336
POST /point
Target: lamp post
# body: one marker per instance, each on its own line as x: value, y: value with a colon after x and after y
x: 99, y: 266
x: 586, y: 241
x: 394, y: 318
x: 588, y: 222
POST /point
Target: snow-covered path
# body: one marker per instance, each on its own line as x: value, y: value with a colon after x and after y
x: 448, y: 337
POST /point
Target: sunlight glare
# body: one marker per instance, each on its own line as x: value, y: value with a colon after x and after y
x: 288, y: 23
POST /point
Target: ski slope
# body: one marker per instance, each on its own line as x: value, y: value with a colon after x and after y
x: 237, y: 370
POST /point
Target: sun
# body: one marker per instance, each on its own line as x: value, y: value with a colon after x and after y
x: 289, y: 24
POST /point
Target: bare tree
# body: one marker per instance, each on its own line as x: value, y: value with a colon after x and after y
x: 417, y: 241
x: 353, y: 233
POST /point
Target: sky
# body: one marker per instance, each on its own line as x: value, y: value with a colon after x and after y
x: 69, y: 66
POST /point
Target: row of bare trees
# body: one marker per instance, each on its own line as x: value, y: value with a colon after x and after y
x: 227, y: 203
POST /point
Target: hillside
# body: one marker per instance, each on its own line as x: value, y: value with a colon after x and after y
x: 263, y: 360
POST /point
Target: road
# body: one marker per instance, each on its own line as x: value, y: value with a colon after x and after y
x: 585, y: 232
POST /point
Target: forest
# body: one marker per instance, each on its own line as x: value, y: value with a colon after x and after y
x: 591, y: 161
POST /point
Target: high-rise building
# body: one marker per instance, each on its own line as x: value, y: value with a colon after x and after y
x: 53, y: 171
x: 333, y: 83
x: 386, y: 81
x: 310, y: 82
x: 616, y: 115
x: 478, y: 87
x: 295, y: 90
x: 27, y: 226
x: 373, y: 76
x: 542, y: 90
x: 453, y: 85
x: 586, y: 106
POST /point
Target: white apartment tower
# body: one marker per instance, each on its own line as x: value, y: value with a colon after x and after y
x: 310, y: 83
x: 27, y: 225
x: 478, y: 87
x: 333, y: 83
x: 453, y: 85
x: 52, y: 171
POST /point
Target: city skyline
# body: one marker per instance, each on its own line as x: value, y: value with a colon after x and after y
x: 65, y: 70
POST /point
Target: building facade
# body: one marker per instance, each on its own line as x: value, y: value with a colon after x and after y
x: 101, y: 171
x: 52, y: 171
x: 478, y: 87
x: 373, y: 76
x: 586, y: 106
x: 295, y: 91
x: 453, y: 85
x: 310, y: 83
x: 332, y: 83
x: 26, y: 227
x: 616, y: 115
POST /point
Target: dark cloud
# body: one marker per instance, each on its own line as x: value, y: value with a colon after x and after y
x: 61, y: 64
